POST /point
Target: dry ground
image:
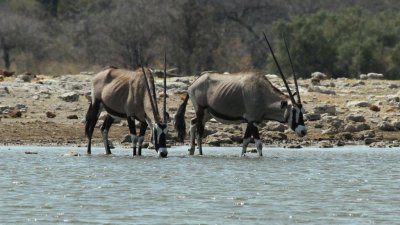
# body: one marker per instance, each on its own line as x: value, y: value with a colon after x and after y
x: 34, y: 127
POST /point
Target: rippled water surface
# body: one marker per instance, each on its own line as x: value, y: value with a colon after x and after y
x: 350, y: 185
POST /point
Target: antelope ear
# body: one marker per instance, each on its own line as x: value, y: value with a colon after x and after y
x: 284, y: 104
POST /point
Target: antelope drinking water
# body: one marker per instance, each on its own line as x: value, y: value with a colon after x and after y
x: 131, y: 95
x: 238, y: 98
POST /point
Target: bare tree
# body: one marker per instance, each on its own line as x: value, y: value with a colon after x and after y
x: 18, y: 35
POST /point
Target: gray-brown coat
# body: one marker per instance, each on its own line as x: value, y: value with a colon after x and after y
x: 236, y: 98
x: 123, y: 94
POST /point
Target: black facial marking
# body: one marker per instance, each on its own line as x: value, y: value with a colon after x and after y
x: 162, y: 141
x: 284, y: 104
x: 293, y: 125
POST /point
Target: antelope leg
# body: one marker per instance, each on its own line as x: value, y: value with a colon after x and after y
x: 193, y: 128
x: 132, y: 130
x: 104, y: 132
x: 257, y: 140
x: 246, y: 139
x: 143, y: 127
x: 200, y: 128
x: 92, y: 116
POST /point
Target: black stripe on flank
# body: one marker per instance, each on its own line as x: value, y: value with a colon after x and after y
x: 114, y: 113
x: 224, y: 117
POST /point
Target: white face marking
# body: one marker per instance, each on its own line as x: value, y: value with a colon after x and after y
x: 162, y: 150
x: 300, y: 130
x: 160, y: 131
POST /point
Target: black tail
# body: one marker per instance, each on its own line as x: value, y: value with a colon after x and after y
x: 91, y: 117
x: 180, y: 125
x: 88, y: 119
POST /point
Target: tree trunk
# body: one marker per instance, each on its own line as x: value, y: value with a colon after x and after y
x: 6, y: 53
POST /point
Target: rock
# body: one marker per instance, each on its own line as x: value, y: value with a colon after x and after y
x: 218, y: 139
x: 315, y: 81
x: 21, y: 107
x: 393, y: 86
x: 352, y: 127
x: 50, y: 114
x: 15, y: 113
x: 274, y: 135
x: 344, y: 136
x: 355, y: 118
x: 31, y: 153
x: 5, y: 109
x: 275, y: 126
x: 358, y: 104
x: 6, y: 73
x: 369, y: 141
x: 319, y: 75
x: 70, y: 96
x: 340, y: 143
x: 371, y: 76
x: 363, y: 76
x: 27, y: 77
x: 321, y: 89
x: 396, y: 124
x: 393, y: 98
x: 330, y: 131
x: 366, y: 134
x: 375, y: 108
x: 333, y: 121
x: 329, y: 109
x: 312, y: 116
x: 293, y: 146
x: 375, y: 76
x: 379, y: 144
x: 71, y: 154
x: 318, y: 125
x: 325, y: 144
x: 386, y: 126
x: 360, y: 83
x: 72, y: 117
x: 272, y: 76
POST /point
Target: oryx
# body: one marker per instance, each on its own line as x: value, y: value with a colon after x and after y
x: 131, y: 95
x: 238, y: 98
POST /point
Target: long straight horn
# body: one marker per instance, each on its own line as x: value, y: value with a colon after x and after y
x: 149, y: 92
x: 280, y: 70
x: 294, y: 73
x: 165, y: 88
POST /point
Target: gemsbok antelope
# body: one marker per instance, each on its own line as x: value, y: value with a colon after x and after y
x: 131, y: 95
x: 238, y: 98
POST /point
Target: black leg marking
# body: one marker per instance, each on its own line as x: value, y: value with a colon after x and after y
x: 193, y: 130
x: 132, y: 130
x: 256, y: 136
x: 105, y: 128
x: 248, y: 132
x: 200, y: 129
x: 254, y: 131
x: 143, y: 127
x: 92, y: 116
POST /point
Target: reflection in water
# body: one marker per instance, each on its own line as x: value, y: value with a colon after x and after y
x: 354, y: 185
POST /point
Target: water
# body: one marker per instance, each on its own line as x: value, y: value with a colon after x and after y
x: 349, y: 185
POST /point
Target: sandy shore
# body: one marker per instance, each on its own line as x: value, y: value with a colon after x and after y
x: 37, y: 112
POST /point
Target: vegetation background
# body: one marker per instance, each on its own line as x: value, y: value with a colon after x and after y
x: 340, y: 38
